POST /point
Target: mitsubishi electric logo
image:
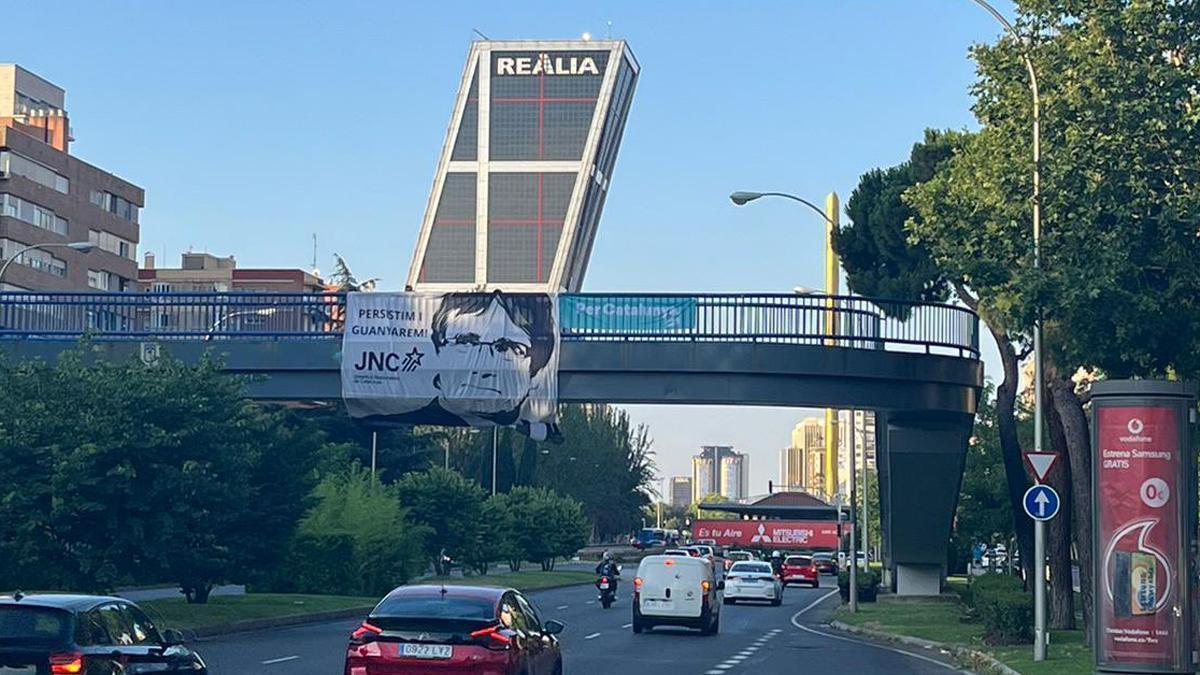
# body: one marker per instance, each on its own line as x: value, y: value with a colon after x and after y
x: 544, y: 64
x: 761, y: 537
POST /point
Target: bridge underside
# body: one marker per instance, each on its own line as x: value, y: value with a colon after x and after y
x: 926, y: 405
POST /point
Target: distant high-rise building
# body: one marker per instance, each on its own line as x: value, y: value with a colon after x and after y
x: 52, y: 198
x: 526, y: 166
x: 735, y: 476
x: 800, y: 464
x: 681, y: 491
x: 713, y: 474
x: 857, y: 429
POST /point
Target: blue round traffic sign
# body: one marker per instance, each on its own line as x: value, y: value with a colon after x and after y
x: 1041, y: 502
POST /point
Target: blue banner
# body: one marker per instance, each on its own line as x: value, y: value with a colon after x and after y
x: 607, y: 313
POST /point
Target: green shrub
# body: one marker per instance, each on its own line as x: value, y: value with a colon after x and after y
x: 868, y: 585
x: 989, y: 583
x: 357, y: 540
x: 1007, y: 616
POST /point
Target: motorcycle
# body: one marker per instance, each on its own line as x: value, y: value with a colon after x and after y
x: 607, y: 585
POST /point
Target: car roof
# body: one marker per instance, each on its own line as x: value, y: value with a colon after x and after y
x: 67, y: 601
x: 751, y: 563
x: 675, y: 560
x: 492, y: 593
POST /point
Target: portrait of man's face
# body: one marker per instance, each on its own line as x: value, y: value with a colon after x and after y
x: 491, y: 363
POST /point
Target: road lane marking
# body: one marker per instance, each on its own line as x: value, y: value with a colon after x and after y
x: 628, y: 625
x: 562, y: 607
x: 823, y: 598
x: 593, y: 636
x: 285, y: 659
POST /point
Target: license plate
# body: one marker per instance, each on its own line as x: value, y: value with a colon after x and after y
x: 18, y: 670
x: 604, y: 585
x: 656, y: 603
x: 426, y: 651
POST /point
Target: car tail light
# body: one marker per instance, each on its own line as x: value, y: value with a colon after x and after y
x: 604, y: 580
x: 706, y: 585
x: 637, y: 583
x: 366, y: 630
x: 70, y: 662
x: 493, y: 633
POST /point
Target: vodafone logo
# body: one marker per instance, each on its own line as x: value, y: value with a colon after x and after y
x: 1135, y: 427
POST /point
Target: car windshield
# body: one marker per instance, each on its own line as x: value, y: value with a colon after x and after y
x: 750, y: 568
x: 34, y: 626
x: 433, y: 612
x: 798, y: 560
x: 822, y: 556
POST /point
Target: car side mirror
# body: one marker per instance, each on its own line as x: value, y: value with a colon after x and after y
x: 172, y: 638
x: 553, y: 627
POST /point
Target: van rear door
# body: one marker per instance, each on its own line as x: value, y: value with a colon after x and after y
x: 671, y: 586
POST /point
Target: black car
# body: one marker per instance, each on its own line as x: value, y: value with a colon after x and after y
x: 48, y: 634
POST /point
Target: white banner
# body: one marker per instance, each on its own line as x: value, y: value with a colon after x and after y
x: 452, y: 359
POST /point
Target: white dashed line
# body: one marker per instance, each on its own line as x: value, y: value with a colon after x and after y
x: 593, y: 636
x: 562, y: 607
x: 628, y: 625
x: 271, y: 662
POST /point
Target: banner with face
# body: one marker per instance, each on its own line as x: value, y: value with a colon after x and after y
x: 453, y: 359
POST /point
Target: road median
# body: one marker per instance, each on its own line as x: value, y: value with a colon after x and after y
x: 939, y: 625
x: 225, y: 615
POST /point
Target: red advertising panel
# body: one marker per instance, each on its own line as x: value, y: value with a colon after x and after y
x: 793, y: 534
x: 1138, y: 497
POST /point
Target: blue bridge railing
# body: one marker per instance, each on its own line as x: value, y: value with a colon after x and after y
x: 836, y: 321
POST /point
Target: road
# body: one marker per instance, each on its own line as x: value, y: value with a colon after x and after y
x: 755, y: 639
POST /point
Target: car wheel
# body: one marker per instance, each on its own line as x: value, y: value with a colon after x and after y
x: 558, y: 667
x: 728, y: 601
x: 777, y: 602
x: 637, y: 626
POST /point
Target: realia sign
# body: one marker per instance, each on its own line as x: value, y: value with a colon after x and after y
x: 794, y: 534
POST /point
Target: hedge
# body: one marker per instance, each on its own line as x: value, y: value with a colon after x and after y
x: 868, y: 585
x: 1007, y: 616
x: 989, y: 583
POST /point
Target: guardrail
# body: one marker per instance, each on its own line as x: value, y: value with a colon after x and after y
x: 835, y: 321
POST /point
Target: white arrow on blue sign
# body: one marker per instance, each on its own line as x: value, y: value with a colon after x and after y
x: 1041, y: 502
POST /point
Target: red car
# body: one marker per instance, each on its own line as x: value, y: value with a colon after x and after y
x: 799, y: 569
x: 825, y: 563
x: 454, y: 630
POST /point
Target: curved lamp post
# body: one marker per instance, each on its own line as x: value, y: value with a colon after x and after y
x: 81, y: 246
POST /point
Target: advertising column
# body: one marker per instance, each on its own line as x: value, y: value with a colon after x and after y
x: 1144, y: 518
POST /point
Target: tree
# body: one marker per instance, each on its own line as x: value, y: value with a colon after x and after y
x: 356, y: 540
x: 984, y: 513
x: 546, y: 525
x: 451, y: 507
x: 1120, y: 267
x: 344, y: 280
x: 157, y: 473
x: 882, y: 258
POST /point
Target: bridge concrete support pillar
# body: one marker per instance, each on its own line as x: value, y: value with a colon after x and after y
x: 921, y: 458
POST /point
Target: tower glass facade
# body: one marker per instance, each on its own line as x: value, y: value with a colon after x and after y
x: 536, y: 127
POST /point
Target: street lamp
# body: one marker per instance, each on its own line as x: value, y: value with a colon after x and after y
x: 81, y: 246
x: 1039, y: 527
x: 830, y: 215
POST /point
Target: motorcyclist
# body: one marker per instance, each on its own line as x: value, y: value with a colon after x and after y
x: 776, y: 562
x: 609, y: 568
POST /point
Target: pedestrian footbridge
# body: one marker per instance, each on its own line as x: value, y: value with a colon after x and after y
x: 917, y: 366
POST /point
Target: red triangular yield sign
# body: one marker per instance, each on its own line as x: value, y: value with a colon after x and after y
x: 1041, y: 463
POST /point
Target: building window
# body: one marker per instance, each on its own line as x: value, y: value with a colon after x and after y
x: 110, y: 242
x: 526, y: 212
x: 38, y: 216
x: 28, y: 105
x: 115, y: 204
x: 37, y: 259
x: 10, y: 162
x: 542, y: 103
x: 450, y: 252
x: 160, y: 287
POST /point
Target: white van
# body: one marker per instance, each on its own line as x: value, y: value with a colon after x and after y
x: 677, y: 591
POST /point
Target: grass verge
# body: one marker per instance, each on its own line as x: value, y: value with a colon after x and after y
x: 530, y: 580
x: 225, y: 609
x: 942, y: 622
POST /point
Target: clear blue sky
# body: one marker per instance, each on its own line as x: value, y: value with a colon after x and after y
x: 253, y: 125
